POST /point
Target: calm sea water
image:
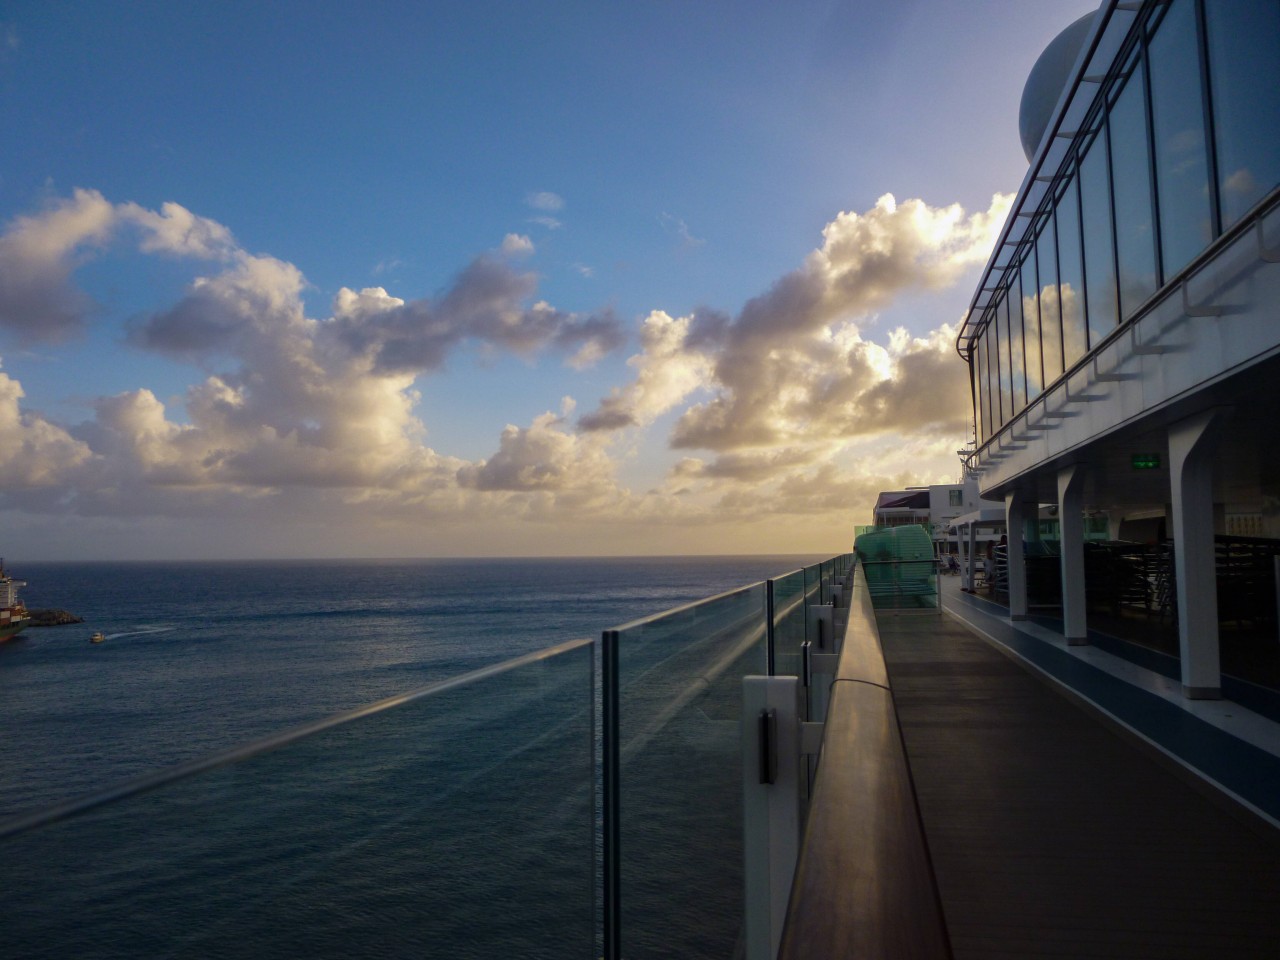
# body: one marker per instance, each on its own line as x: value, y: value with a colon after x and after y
x: 201, y: 657
x: 462, y: 825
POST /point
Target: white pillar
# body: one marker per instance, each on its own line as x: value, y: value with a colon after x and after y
x: 1013, y: 521
x: 1191, y: 444
x: 972, y: 542
x: 1071, y: 525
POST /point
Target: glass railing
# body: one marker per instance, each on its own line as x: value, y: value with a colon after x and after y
x: 679, y: 750
x: 584, y: 800
x: 454, y: 822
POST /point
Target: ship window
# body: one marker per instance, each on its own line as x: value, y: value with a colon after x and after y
x: 1050, y: 313
x: 993, y: 389
x: 1099, y: 252
x: 1025, y: 283
x: 1177, y: 111
x: 1017, y: 362
x: 1244, y: 78
x: 1002, y: 354
x: 1071, y: 276
x: 1131, y: 181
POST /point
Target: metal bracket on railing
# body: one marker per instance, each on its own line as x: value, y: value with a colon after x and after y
x: 821, y: 622
x: 811, y: 738
x: 768, y: 729
x: 771, y: 779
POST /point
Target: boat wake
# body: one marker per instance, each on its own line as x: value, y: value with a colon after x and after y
x: 138, y: 632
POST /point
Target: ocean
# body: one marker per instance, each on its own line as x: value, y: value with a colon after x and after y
x: 466, y: 824
x: 202, y: 657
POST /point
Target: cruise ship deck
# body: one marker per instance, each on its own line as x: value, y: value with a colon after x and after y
x: 1075, y: 804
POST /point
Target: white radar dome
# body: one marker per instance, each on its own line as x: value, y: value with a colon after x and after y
x: 1046, y: 81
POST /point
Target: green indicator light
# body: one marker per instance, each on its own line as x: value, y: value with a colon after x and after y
x: 1146, y: 461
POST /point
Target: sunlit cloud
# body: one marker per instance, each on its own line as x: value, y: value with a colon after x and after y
x: 799, y: 403
x: 517, y: 245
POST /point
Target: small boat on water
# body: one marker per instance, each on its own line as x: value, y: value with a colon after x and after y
x: 97, y: 637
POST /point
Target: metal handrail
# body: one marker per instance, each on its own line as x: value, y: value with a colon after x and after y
x: 864, y: 885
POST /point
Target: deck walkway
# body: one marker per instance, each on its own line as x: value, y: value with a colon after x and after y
x: 1053, y: 834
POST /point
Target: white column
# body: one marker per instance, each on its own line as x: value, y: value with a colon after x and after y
x: 972, y: 545
x: 1071, y: 524
x: 1013, y: 521
x: 1191, y: 444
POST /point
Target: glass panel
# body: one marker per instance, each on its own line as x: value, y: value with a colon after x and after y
x: 1023, y: 285
x: 1244, y: 79
x: 997, y: 419
x: 1019, y: 365
x: 1131, y: 179
x: 458, y: 824
x: 1071, y: 276
x: 788, y: 624
x: 680, y: 698
x: 1099, y: 253
x: 984, y: 398
x: 1177, y: 112
x: 1050, y: 315
x: 1002, y: 348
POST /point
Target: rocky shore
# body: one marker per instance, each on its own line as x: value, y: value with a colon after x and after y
x: 52, y: 618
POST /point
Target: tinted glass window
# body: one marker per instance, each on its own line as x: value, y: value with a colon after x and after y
x: 1177, y: 113
x: 1244, y: 81
x: 1025, y: 285
x: 1002, y: 354
x: 979, y: 392
x: 1050, y: 312
x: 1070, y: 276
x: 1099, y: 258
x: 1017, y: 364
x: 1131, y: 180
x: 989, y: 413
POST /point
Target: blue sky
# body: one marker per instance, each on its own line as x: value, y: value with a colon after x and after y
x: 591, y: 225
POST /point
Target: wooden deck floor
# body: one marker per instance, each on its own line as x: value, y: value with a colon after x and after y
x: 1052, y: 835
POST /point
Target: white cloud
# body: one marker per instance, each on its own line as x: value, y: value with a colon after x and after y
x: 321, y: 416
x: 545, y: 200
x: 517, y: 245
x: 37, y: 453
x: 667, y: 371
x: 37, y: 256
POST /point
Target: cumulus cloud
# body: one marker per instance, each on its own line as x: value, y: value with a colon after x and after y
x: 543, y: 457
x: 322, y: 414
x: 37, y: 256
x: 487, y: 302
x: 668, y: 369
x: 793, y: 368
x: 287, y: 402
x: 37, y: 453
x: 517, y: 245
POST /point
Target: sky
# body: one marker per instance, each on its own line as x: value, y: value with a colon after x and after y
x: 491, y: 279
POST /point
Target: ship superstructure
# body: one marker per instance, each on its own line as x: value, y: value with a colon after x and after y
x: 13, y: 614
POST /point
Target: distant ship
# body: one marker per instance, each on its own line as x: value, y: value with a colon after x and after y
x: 13, y: 615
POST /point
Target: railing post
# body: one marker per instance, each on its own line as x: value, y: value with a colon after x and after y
x: 771, y: 807
x: 612, y: 785
x: 768, y: 628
